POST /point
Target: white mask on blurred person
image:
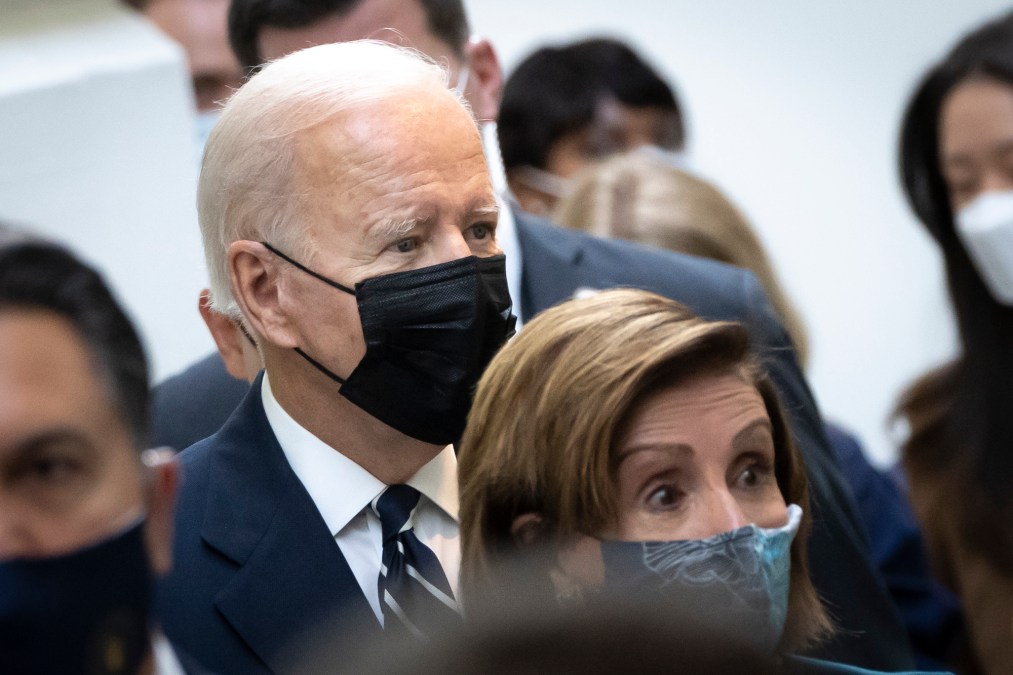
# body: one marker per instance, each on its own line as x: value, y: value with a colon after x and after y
x: 675, y: 158
x: 544, y: 181
x: 985, y: 227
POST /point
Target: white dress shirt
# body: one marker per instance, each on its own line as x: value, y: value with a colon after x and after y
x: 164, y: 657
x: 342, y: 491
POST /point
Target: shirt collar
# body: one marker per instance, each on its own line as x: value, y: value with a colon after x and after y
x: 506, y: 237
x: 339, y: 487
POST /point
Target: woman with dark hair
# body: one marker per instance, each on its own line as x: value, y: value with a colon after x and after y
x: 957, y: 169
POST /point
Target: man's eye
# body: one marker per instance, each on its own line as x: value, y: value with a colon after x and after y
x: 405, y: 246
x: 480, y: 231
x: 51, y: 470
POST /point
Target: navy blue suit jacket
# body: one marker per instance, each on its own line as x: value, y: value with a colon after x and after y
x: 256, y: 571
x: 254, y: 561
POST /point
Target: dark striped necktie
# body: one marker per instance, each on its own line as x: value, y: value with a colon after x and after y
x: 415, y: 595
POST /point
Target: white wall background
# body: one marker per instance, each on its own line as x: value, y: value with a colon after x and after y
x: 794, y: 109
x: 97, y: 151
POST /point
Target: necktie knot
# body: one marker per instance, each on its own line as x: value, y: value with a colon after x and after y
x: 394, y: 508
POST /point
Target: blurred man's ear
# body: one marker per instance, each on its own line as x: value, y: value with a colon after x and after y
x: 162, y: 483
x: 238, y: 351
x: 485, y: 85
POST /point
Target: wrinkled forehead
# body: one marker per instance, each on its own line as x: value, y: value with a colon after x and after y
x: 410, y: 131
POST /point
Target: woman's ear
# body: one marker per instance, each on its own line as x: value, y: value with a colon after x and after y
x: 526, y: 529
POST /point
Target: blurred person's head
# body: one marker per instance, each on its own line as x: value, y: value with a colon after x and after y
x: 613, y: 636
x: 201, y: 28
x: 84, y: 523
x: 264, y: 30
x: 622, y: 418
x: 956, y: 154
x: 568, y: 106
x: 643, y: 198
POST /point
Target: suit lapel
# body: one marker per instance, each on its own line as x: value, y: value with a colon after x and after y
x: 292, y: 578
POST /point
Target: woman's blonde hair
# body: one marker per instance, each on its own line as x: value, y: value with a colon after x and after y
x: 542, y: 433
x: 644, y: 198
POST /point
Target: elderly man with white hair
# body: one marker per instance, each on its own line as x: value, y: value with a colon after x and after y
x: 349, y: 226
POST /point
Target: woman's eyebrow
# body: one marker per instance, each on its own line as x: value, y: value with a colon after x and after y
x: 748, y: 432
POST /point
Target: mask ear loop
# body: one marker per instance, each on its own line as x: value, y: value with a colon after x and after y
x: 307, y: 270
x: 319, y: 366
x: 313, y: 362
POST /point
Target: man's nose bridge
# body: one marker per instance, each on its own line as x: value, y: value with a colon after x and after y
x: 453, y: 244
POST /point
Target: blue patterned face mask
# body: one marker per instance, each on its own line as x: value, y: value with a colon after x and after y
x: 741, y: 577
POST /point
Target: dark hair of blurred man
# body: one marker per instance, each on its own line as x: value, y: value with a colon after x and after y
x: 567, y: 106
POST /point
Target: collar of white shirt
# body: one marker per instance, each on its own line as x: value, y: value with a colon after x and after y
x: 320, y: 468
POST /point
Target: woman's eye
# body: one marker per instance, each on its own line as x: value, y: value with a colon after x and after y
x: 755, y: 475
x: 665, y: 497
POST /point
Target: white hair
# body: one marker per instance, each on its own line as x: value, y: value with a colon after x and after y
x: 245, y: 189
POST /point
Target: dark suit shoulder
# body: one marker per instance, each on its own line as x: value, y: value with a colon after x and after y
x: 558, y: 261
x: 194, y: 404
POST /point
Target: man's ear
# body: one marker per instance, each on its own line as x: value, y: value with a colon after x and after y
x: 227, y: 337
x: 255, y: 281
x: 485, y: 86
x: 162, y: 483
x: 527, y: 530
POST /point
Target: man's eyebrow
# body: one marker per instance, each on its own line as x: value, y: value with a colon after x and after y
x: 393, y: 228
x: 491, y: 210
x: 25, y: 447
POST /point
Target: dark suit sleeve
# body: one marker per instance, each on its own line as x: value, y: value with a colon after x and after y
x: 870, y: 633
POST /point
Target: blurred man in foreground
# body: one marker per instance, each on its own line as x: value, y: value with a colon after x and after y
x: 85, y: 517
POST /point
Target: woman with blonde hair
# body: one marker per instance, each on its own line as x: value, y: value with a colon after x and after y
x: 644, y: 197
x: 621, y: 419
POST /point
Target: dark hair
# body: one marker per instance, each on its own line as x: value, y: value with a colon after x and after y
x: 557, y: 91
x: 445, y: 19
x: 35, y: 274
x: 960, y: 416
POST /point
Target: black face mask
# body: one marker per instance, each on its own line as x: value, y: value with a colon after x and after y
x: 85, y: 612
x: 429, y: 335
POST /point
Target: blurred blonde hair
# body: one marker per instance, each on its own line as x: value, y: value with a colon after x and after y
x: 643, y: 198
x: 548, y: 413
